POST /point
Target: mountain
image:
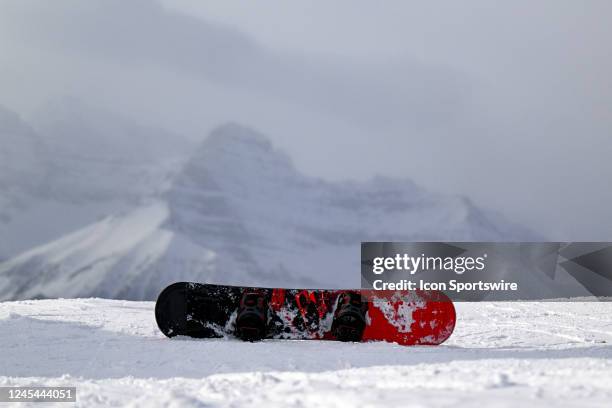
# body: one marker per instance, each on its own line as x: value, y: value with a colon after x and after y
x: 239, y: 212
x: 73, y: 164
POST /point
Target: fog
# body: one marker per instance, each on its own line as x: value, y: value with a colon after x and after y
x: 509, y: 104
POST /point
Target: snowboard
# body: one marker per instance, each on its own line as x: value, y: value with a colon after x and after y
x: 209, y: 311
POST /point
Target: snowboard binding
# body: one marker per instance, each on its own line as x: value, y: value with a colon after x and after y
x: 350, y: 317
x: 252, y: 318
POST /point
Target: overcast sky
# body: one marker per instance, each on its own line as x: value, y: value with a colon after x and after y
x: 509, y: 103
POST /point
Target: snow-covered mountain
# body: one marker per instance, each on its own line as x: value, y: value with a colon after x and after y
x: 73, y: 166
x: 239, y: 212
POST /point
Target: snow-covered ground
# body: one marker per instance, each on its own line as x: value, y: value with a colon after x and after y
x: 501, y: 354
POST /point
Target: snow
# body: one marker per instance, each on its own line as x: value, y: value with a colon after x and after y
x: 554, y: 354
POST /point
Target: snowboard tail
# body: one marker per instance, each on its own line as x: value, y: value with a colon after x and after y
x: 210, y: 311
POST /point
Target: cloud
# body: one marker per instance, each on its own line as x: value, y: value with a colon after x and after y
x: 143, y: 32
x: 507, y: 103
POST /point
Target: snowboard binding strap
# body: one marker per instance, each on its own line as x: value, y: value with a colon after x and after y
x: 350, y: 317
x: 252, y: 318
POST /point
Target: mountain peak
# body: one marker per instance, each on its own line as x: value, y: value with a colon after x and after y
x: 236, y: 151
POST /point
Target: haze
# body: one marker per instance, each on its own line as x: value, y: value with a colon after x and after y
x: 509, y: 104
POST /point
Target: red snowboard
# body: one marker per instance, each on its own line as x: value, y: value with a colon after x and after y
x: 406, y: 318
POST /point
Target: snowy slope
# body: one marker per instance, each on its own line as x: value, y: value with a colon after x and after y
x: 117, y: 257
x: 501, y: 354
x: 240, y: 213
